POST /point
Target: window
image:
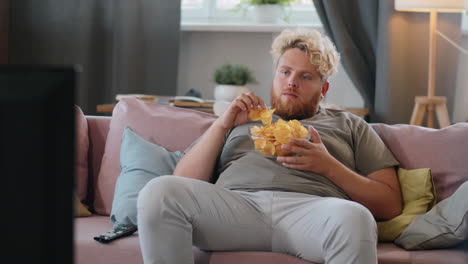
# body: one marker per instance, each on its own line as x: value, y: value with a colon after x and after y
x: 300, y: 11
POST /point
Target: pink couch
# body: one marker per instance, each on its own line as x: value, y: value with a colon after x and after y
x: 407, y: 149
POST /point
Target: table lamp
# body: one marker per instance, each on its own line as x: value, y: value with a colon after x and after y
x: 431, y: 103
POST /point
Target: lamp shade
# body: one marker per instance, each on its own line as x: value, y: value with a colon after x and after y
x: 447, y: 6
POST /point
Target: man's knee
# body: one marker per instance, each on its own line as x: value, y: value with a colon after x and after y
x: 355, y: 213
x: 162, y: 186
x: 353, y: 220
x: 351, y: 234
x: 164, y: 192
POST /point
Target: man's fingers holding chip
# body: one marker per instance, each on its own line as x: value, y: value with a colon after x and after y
x: 238, y: 102
x: 254, y: 101
x: 237, y: 112
x: 249, y: 101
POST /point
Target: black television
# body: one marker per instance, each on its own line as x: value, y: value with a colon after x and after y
x: 36, y: 162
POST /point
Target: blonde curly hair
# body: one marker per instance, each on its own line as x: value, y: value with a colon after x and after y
x: 318, y: 47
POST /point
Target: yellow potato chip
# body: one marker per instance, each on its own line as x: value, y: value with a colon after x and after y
x: 260, y: 143
x: 261, y: 114
x: 282, y: 136
x: 282, y: 152
x: 269, y: 149
x: 255, y: 130
x: 255, y: 114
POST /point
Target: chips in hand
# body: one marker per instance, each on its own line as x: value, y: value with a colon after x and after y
x: 262, y: 114
x: 268, y: 139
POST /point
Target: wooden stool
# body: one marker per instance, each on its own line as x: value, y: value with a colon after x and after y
x: 429, y: 104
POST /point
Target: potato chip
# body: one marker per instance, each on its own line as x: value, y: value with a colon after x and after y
x: 282, y: 152
x: 260, y: 143
x: 269, y: 138
x: 261, y: 114
x: 269, y: 149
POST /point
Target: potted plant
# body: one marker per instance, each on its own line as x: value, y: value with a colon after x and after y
x: 231, y: 81
x: 266, y: 11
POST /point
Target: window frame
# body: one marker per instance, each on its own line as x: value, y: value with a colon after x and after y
x: 209, y: 13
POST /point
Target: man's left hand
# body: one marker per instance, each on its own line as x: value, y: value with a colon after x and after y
x: 311, y: 155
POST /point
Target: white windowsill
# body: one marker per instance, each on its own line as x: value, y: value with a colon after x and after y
x: 239, y: 26
x: 246, y: 25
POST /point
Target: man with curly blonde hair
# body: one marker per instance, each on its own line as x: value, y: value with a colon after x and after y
x: 319, y: 204
x: 321, y: 55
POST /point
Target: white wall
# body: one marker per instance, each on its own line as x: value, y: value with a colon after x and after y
x: 201, y: 52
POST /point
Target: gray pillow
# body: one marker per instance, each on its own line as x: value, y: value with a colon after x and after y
x: 444, y: 226
x: 140, y: 162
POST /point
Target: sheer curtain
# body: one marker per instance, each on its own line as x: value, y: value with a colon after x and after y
x: 122, y: 46
x: 385, y: 53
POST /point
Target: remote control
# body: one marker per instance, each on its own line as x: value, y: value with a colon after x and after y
x: 120, y: 230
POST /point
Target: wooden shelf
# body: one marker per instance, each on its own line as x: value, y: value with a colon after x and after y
x: 189, y: 104
x: 108, y: 108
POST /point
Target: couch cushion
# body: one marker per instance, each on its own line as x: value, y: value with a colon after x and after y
x: 171, y: 127
x: 81, y: 154
x: 417, y: 190
x: 140, y: 162
x: 444, y: 151
x: 443, y: 226
x: 98, y: 128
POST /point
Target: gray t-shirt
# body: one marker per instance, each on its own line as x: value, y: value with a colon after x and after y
x: 347, y: 137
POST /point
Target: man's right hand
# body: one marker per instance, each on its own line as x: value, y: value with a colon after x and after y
x: 199, y: 162
x: 237, y: 112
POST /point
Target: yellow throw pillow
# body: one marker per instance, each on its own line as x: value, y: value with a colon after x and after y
x: 80, y: 209
x: 418, y: 194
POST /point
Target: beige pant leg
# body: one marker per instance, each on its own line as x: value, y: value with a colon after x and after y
x: 176, y: 212
x: 323, y: 230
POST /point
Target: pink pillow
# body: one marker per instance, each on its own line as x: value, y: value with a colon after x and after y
x: 444, y: 151
x: 81, y: 153
x: 172, y: 127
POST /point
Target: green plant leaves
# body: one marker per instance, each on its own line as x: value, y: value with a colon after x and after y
x: 233, y: 75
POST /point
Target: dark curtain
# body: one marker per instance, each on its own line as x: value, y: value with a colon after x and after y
x: 355, y: 40
x: 4, y: 19
x: 385, y: 53
x: 122, y: 46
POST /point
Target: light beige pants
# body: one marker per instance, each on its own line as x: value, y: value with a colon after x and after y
x: 176, y: 212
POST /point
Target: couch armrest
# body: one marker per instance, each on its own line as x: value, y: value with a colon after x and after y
x: 98, y: 127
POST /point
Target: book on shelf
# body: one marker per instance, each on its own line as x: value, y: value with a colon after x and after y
x: 190, y: 101
x: 192, y: 104
x: 146, y: 97
x: 179, y: 101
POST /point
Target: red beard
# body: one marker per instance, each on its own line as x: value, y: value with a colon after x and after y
x: 289, y: 110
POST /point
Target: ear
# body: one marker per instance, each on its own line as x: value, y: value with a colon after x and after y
x: 325, y: 87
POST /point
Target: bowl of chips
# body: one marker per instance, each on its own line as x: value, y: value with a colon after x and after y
x: 269, y: 138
